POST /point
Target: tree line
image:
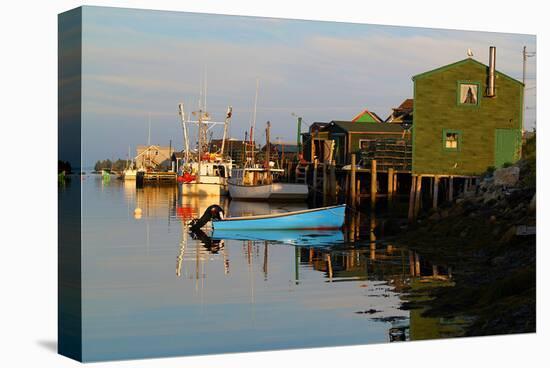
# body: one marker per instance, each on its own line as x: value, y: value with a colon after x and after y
x: 117, y: 165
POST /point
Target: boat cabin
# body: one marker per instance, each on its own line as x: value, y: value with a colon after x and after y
x: 255, y: 176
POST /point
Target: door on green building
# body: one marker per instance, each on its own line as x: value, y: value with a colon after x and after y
x: 506, y: 146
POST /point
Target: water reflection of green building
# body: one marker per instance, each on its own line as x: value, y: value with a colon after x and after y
x: 426, y: 328
x: 404, y: 269
x: 387, y: 263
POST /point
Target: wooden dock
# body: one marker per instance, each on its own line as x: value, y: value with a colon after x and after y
x: 160, y: 176
x: 353, y: 183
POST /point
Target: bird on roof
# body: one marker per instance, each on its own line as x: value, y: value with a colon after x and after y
x: 470, y: 53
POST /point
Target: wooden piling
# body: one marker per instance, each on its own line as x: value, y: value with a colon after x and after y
x: 329, y: 267
x: 411, y: 263
x: 412, y: 197
x: 373, y: 185
x: 417, y: 264
x: 325, y: 184
x: 450, y: 193
x: 347, y: 187
x: 333, y: 180
x: 358, y: 225
x: 418, y: 195
x: 289, y: 171
x: 372, y: 236
x: 436, y: 192
x: 390, y: 184
x: 315, y: 165
x: 358, y: 188
x: 352, y: 227
x: 352, y: 181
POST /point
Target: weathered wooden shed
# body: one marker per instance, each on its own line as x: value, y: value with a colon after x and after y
x: 350, y: 137
x: 467, y: 117
x: 315, y: 143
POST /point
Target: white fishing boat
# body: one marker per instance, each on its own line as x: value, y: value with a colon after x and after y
x: 256, y: 183
x: 129, y: 174
x: 201, y: 172
x: 263, y: 182
x: 204, y: 179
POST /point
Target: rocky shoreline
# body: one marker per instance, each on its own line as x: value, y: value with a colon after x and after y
x: 488, y: 237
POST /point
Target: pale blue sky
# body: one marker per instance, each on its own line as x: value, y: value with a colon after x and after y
x: 141, y: 62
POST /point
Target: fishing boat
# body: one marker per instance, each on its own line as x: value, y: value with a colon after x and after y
x: 201, y: 172
x: 325, y: 218
x: 256, y: 183
x: 129, y: 174
x: 262, y: 182
x: 204, y: 179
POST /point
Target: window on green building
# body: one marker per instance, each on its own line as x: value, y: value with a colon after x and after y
x: 451, y: 140
x: 468, y: 93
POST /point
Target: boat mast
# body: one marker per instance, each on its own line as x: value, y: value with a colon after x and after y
x: 149, y: 140
x: 200, y: 146
x: 267, y: 152
x: 253, y: 128
x: 226, y: 124
x: 205, y: 85
x: 185, y: 134
x: 149, y: 133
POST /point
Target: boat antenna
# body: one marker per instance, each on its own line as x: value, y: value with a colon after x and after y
x: 255, y: 109
x: 225, y: 125
x: 267, y: 150
x: 185, y: 134
x: 200, y: 93
x: 253, y: 128
x: 205, y: 85
x: 149, y: 133
x: 200, y: 145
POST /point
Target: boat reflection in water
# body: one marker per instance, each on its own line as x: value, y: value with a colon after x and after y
x: 304, y: 238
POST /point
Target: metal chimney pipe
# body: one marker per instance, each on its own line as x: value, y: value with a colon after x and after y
x: 492, y: 61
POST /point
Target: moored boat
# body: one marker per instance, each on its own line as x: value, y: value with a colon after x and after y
x: 325, y: 218
x: 202, y: 173
x: 256, y: 183
x: 129, y: 174
x: 262, y: 182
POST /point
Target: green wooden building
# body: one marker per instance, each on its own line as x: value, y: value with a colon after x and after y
x: 467, y: 117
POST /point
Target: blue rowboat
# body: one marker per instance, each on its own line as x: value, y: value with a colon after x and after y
x: 302, y: 238
x: 326, y: 218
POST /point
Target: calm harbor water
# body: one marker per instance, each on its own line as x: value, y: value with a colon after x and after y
x: 149, y: 288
